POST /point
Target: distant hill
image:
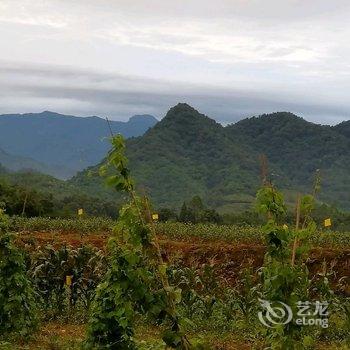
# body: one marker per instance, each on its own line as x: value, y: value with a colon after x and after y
x: 297, y: 148
x: 188, y: 154
x: 61, y: 145
x: 15, y: 163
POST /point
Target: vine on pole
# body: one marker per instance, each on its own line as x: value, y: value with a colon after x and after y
x: 137, y: 280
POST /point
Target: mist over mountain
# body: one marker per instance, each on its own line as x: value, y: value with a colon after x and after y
x: 61, y: 145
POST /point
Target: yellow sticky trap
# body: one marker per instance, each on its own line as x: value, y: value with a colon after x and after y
x: 155, y: 217
x: 69, y: 280
x: 80, y: 212
x: 327, y: 223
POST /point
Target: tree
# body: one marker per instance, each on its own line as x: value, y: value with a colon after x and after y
x: 194, y: 212
x: 186, y: 214
x: 166, y: 214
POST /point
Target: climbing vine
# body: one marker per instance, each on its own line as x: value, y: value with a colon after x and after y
x: 137, y: 280
x: 285, y: 277
x: 18, y: 317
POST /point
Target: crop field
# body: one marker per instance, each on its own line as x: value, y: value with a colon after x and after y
x: 215, y: 266
x: 97, y: 227
x: 229, y: 248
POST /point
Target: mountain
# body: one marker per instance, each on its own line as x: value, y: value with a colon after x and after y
x: 343, y: 128
x: 296, y: 149
x: 188, y: 154
x: 15, y: 163
x: 63, y: 144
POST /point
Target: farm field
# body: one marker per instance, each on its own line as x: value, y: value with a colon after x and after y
x: 94, y: 228
x: 209, y: 258
x: 228, y: 249
x: 136, y: 283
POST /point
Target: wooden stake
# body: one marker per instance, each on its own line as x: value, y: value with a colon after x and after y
x: 109, y: 126
x: 24, y: 204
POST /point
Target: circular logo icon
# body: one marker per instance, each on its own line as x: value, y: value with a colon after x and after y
x: 274, y: 313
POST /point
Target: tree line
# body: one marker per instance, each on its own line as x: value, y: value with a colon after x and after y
x: 26, y: 201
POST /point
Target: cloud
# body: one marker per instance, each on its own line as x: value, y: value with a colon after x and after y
x: 228, y: 58
x: 29, y: 88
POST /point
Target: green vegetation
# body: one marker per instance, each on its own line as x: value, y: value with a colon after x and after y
x: 85, y: 225
x: 171, y: 230
x: 48, y: 270
x: 216, y: 310
x: 188, y: 154
x: 60, y: 145
x: 285, y: 278
x: 17, y: 299
x: 306, y: 147
x: 146, y: 282
x: 136, y: 280
x: 33, y: 194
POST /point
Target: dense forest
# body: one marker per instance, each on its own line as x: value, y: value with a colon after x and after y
x: 188, y: 154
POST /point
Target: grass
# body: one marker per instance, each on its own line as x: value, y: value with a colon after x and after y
x: 63, y: 336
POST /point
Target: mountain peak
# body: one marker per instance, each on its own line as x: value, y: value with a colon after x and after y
x: 276, y: 120
x: 142, y: 118
x: 185, y: 114
x: 50, y: 114
x: 181, y: 108
x: 282, y: 116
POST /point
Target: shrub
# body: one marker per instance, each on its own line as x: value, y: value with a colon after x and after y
x: 17, y: 303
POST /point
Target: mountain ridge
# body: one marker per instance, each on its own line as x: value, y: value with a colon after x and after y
x: 188, y: 153
x: 64, y: 144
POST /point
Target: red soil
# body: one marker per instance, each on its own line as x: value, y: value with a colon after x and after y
x: 227, y: 259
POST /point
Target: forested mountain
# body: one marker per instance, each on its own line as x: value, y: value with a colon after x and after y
x: 188, y: 154
x: 61, y: 145
x: 343, y: 128
x: 297, y: 148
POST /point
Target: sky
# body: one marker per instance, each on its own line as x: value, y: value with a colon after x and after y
x: 230, y: 59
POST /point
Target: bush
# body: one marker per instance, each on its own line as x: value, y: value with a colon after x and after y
x: 17, y: 303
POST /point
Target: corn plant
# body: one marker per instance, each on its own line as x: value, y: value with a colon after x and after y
x: 49, y: 268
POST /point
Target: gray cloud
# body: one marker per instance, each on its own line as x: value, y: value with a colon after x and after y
x: 230, y: 59
x: 85, y: 92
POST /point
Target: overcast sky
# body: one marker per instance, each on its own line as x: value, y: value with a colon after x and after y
x: 228, y: 58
